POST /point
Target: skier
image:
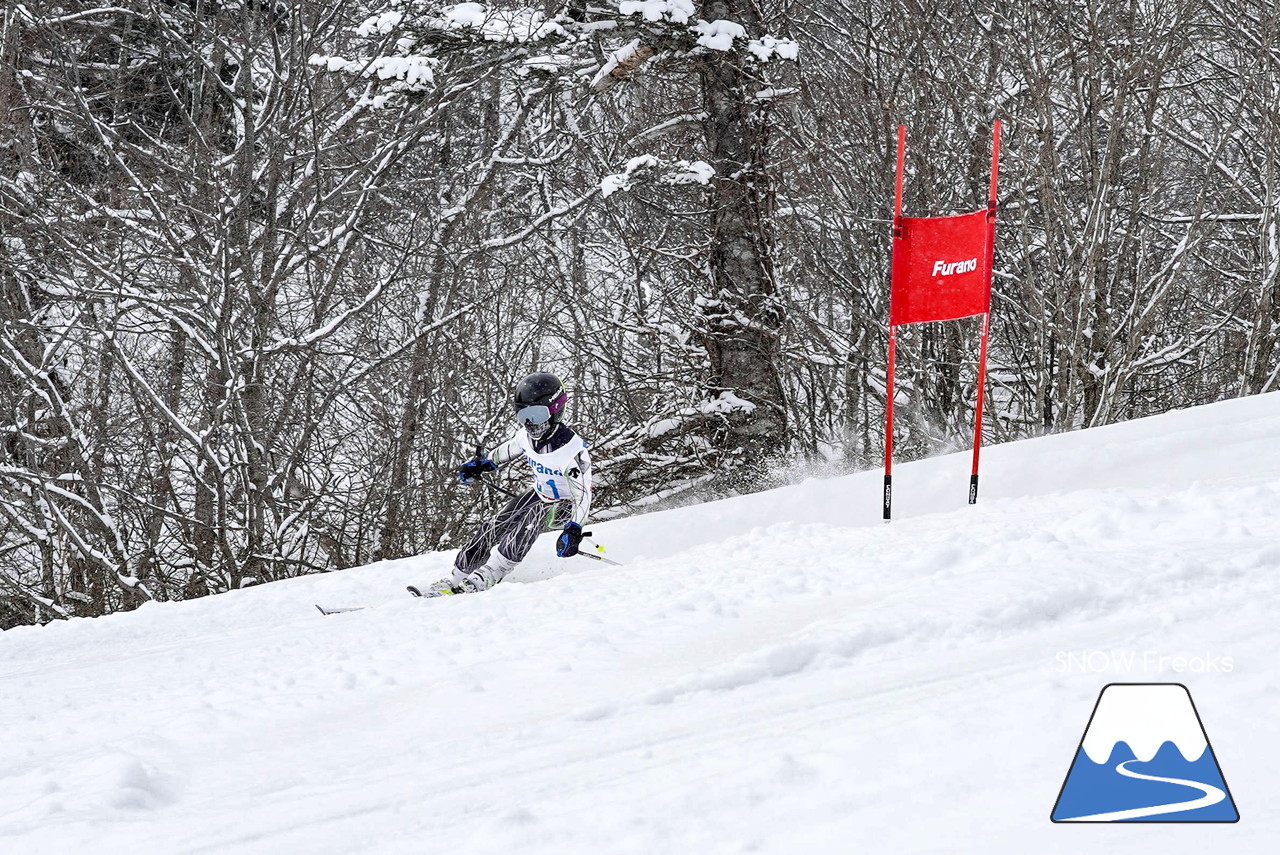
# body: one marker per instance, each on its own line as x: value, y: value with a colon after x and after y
x: 560, y: 496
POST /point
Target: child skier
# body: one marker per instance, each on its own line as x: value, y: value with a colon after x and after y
x: 560, y: 496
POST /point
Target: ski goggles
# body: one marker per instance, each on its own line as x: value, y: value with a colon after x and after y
x: 539, y: 414
x: 534, y: 415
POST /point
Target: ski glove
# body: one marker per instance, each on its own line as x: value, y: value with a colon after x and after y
x: 470, y: 472
x: 567, y: 542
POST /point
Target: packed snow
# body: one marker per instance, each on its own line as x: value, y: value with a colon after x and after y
x: 776, y: 673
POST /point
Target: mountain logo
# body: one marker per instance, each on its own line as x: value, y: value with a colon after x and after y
x: 1145, y: 757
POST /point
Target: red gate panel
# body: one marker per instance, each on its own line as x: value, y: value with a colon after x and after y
x: 941, y: 269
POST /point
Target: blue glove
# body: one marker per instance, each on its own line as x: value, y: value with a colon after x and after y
x: 470, y: 472
x: 567, y: 542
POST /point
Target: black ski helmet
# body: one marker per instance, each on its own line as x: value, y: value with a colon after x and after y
x: 539, y: 401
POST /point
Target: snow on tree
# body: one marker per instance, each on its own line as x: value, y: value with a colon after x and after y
x: 716, y: 46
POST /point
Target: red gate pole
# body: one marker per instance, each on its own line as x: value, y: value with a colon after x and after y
x: 986, y: 317
x: 888, y: 427
x: 977, y: 417
x: 893, y: 333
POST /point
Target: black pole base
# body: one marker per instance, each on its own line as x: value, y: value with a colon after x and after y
x: 888, y: 496
x: 973, y: 489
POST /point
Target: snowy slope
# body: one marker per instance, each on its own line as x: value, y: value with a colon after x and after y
x: 778, y: 673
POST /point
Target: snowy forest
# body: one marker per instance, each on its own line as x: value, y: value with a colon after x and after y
x: 269, y: 269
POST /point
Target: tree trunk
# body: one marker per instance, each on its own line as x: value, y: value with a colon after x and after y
x: 743, y: 317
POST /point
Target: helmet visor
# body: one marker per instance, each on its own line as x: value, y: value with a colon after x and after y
x: 533, y: 415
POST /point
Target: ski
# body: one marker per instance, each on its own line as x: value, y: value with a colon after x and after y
x: 429, y: 594
x: 325, y: 611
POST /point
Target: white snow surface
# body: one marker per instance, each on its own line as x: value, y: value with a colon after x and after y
x: 777, y: 673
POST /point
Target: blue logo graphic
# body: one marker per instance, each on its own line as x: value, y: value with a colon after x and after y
x: 1145, y: 757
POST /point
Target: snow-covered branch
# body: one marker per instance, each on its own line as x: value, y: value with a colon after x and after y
x: 648, y: 169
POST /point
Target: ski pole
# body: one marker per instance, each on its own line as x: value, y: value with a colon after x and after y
x: 595, y: 557
x: 599, y: 548
x: 494, y: 486
x: 487, y: 482
x: 585, y: 535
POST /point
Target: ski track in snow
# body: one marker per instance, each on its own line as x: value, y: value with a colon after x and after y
x: 775, y: 673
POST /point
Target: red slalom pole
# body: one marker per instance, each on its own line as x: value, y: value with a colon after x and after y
x: 897, y: 193
x: 888, y: 427
x: 893, y: 334
x: 986, y: 317
x: 977, y: 417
